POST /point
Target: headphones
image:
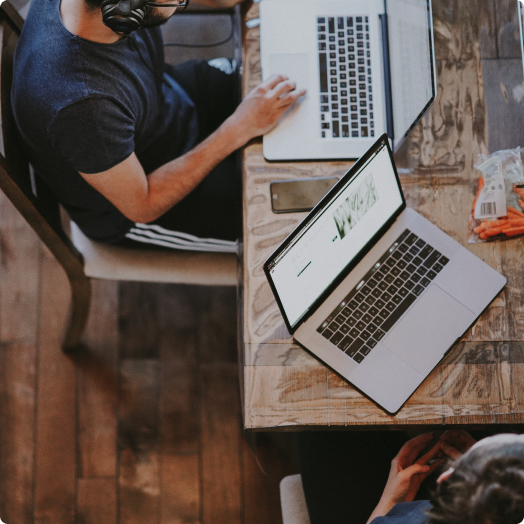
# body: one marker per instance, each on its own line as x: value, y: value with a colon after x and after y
x: 124, y: 16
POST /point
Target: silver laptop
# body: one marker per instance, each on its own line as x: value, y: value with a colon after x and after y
x: 372, y: 288
x: 368, y: 67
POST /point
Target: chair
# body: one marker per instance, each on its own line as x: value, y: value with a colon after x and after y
x: 80, y: 257
x: 293, y: 501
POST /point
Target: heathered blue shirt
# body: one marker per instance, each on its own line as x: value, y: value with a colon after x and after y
x: 85, y: 106
x: 406, y: 513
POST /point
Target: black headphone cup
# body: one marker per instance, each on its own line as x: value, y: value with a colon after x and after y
x: 123, y: 16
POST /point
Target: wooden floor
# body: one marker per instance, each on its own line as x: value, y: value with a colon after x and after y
x: 144, y: 426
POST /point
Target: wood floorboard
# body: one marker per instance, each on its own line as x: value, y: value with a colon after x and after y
x: 221, y: 444
x: 178, y: 455
x: 97, y: 382
x: 17, y: 427
x: 262, y: 502
x: 178, y: 307
x: 218, y: 334
x: 96, y: 501
x: 139, y: 479
x: 179, y: 394
x: 55, y: 472
x: 138, y: 326
x: 273, y: 458
x: 19, y: 276
x: 180, y: 499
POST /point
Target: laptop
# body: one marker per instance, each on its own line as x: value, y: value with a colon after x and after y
x: 368, y: 67
x: 372, y: 288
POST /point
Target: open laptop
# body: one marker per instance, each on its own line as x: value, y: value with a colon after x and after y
x: 372, y: 288
x: 368, y: 67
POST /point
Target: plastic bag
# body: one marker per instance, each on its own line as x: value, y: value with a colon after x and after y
x: 497, y: 212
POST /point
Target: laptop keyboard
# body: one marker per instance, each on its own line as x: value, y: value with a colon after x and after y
x: 375, y: 304
x: 346, y: 94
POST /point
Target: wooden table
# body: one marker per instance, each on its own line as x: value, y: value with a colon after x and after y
x: 481, y: 381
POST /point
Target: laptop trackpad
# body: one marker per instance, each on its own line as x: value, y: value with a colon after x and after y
x: 427, y: 331
x: 295, y: 66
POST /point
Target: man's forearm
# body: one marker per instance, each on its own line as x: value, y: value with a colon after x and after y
x: 173, y: 181
x: 380, y: 511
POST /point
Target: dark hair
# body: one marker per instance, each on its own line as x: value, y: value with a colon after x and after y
x: 493, y: 494
x: 94, y: 4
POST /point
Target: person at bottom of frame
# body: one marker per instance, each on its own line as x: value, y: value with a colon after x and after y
x: 343, y: 475
x: 136, y: 151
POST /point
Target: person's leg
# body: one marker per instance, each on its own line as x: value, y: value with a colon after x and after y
x: 344, y: 473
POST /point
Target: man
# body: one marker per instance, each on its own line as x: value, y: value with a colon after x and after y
x: 343, y: 473
x: 135, y: 152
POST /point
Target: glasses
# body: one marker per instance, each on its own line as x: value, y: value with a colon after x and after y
x: 172, y: 3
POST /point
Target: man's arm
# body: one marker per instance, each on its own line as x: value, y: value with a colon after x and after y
x: 144, y: 198
x: 408, y: 470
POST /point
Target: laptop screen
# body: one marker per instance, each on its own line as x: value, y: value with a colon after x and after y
x: 334, y: 234
x: 411, y: 63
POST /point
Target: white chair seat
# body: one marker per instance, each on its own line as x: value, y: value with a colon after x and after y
x: 182, y: 267
x: 293, y: 501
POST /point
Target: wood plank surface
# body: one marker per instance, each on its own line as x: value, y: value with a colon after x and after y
x: 218, y: 336
x: 139, y: 467
x: 98, y: 384
x: 482, y: 383
x: 508, y: 36
x: 488, y: 31
x: 17, y: 419
x: 139, y: 337
x: 54, y: 495
x: 179, y: 393
x: 97, y: 500
x: 503, y: 84
x: 19, y: 276
x: 180, y: 500
x: 274, y: 457
x: 221, y: 445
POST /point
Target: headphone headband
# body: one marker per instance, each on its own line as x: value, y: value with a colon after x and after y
x: 124, y: 16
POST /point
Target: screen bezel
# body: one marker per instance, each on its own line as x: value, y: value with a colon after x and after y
x: 520, y: 8
x: 317, y: 210
x: 397, y: 142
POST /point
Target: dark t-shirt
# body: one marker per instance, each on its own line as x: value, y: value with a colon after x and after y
x: 84, y: 106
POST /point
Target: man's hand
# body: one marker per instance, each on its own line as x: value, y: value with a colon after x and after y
x: 408, y: 470
x: 456, y: 442
x: 263, y: 107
